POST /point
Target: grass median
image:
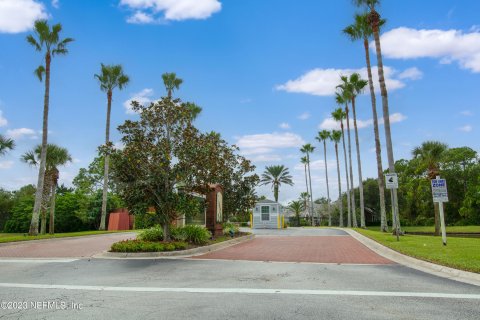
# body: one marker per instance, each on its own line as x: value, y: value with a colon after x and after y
x: 460, y: 253
x: 15, y: 237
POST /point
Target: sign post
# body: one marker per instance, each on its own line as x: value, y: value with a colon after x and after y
x: 440, y: 195
x: 391, y: 182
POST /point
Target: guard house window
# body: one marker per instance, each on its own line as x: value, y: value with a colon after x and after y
x: 265, y: 213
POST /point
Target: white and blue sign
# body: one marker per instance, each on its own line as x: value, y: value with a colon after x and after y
x: 439, y: 190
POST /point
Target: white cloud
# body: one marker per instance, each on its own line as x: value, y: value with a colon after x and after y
x: 317, y: 165
x: 411, y: 74
x: 6, y: 164
x: 56, y: 4
x: 466, y: 128
x: 3, y: 120
x: 323, y: 82
x: 304, y: 116
x: 446, y: 45
x: 331, y: 124
x: 19, y: 15
x: 20, y: 133
x: 143, y: 97
x: 270, y: 141
x: 466, y: 113
x: 156, y: 11
x: 266, y: 158
x: 284, y: 125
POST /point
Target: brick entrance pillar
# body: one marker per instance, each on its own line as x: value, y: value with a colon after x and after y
x: 215, y: 210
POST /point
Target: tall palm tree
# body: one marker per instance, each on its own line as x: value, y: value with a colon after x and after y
x: 304, y: 161
x: 48, y: 40
x: 335, y: 137
x: 322, y: 137
x: 110, y: 77
x: 430, y: 155
x: 374, y: 19
x: 171, y: 82
x: 276, y: 175
x: 305, y: 196
x: 307, y: 149
x: 346, y: 92
x: 56, y: 156
x: 356, y: 85
x: 362, y: 30
x: 6, y: 144
x: 195, y: 110
x: 339, y: 115
x: 296, y: 207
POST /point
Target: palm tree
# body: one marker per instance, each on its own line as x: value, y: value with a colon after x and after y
x: 6, y: 144
x: 276, y: 175
x: 430, y: 154
x: 305, y: 196
x: 48, y: 40
x: 56, y: 156
x: 374, y: 19
x: 171, y: 82
x: 346, y: 92
x: 339, y: 115
x: 322, y: 137
x: 195, y: 110
x: 110, y: 77
x: 304, y: 161
x: 362, y: 30
x: 307, y: 149
x: 297, y: 207
x: 356, y: 86
x: 335, y: 137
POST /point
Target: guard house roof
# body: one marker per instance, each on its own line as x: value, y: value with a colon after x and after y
x: 266, y: 201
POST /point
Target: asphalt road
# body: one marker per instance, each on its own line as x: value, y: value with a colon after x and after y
x: 223, y: 289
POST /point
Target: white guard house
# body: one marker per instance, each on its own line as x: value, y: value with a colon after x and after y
x: 267, y: 214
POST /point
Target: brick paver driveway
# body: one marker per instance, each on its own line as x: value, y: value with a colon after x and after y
x: 300, y: 245
x: 75, y: 247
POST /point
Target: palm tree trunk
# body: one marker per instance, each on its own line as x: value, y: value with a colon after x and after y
x: 352, y: 186
x: 310, y: 181
x: 43, y: 155
x: 275, y: 192
x: 308, y: 191
x: 51, y: 224
x: 359, y: 163
x: 328, y: 187
x: 340, y: 202
x: 107, y: 160
x: 378, y: 148
x: 349, y: 221
x: 386, y: 115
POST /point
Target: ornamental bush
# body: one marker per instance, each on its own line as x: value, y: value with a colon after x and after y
x: 146, y: 246
x: 196, y: 234
x: 155, y: 233
x: 230, y: 229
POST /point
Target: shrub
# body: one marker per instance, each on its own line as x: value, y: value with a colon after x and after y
x: 196, y: 234
x: 146, y: 246
x: 153, y: 234
x: 178, y: 234
x: 230, y: 229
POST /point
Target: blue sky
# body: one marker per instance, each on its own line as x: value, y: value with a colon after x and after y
x: 263, y: 71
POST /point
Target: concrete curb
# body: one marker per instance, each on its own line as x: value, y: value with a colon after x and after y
x: 12, y: 243
x: 173, y: 254
x: 428, y: 267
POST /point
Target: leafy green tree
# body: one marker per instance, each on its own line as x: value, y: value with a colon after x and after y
x: 56, y: 156
x: 307, y: 149
x: 297, y: 207
x: 362, y: 30
x: 6, y: 144
x: 6, y: 205
x: 335, y: 137
x: 339, y: 115
x: 276, y: 176
x: 21, y: 212
x: 110, y: 78
x: 322, y: 137
x: 430, y: 155
x: 375, y: 21
x: 48, y: 40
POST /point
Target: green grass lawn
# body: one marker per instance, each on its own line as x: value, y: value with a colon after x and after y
x: 452, y: 229
x: 460, y: 253
x: 14, y: 237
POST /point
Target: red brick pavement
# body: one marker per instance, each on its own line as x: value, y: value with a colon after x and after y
x: 323, y: 249
x: 74, y: 247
